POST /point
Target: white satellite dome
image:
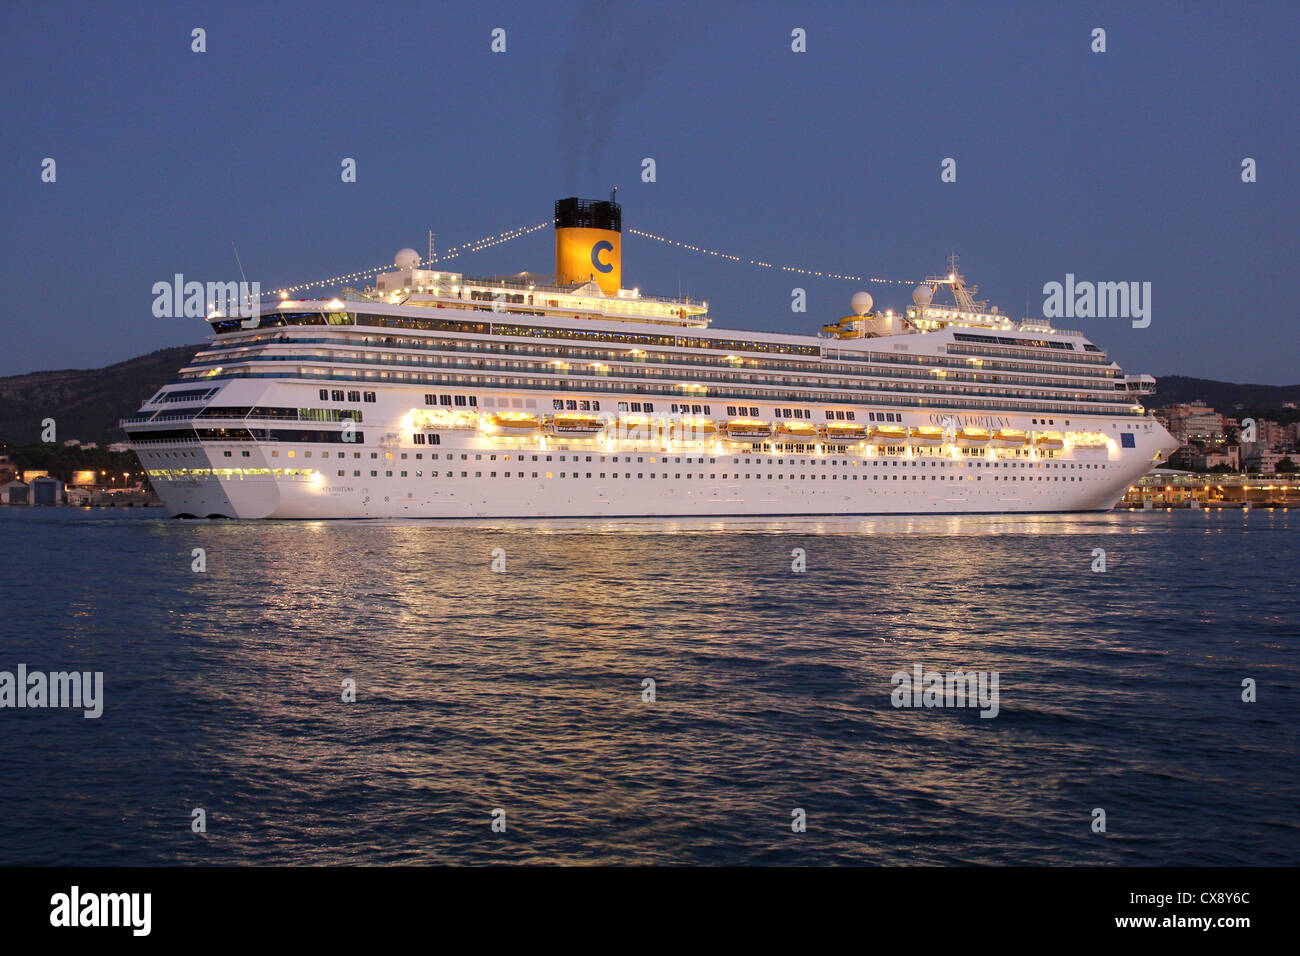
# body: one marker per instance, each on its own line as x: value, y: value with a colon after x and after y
x: 861, y: 303
x: 922, y: 295
x: 407, y: 259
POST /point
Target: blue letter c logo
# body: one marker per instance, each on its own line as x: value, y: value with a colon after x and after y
x: 603, y: 246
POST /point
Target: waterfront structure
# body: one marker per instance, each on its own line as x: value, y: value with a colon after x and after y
x: 436, y: 394
x: 14, y: 493
x: 46, y: 491
x: 1162, y: 488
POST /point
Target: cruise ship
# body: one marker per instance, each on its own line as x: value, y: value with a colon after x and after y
x: 434, y: 394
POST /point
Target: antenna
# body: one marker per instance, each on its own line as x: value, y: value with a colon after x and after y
x: 241, y: 265
x: 613, y: 195
x: 431, y: 235
x: 241, y: 271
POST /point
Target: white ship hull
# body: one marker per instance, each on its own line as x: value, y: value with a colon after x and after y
x: 958, y: 492
x: 471, y: 474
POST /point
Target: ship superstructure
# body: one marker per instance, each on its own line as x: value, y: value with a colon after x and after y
x: 436, y: 394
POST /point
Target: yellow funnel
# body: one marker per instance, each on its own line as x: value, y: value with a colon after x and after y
x: 588, y: 243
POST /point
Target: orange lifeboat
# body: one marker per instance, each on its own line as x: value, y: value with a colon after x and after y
x: 748, y: 429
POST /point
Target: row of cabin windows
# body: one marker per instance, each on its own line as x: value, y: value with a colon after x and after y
x: 732, y: 410
x: 802, y: 462
x: 848, y: 462
x: 1006, y: 340
x: 336, y: 395
x: 449, y: 400
x: 713, y: 475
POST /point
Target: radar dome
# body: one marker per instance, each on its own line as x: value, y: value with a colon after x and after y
x: 407, y: 259
x: 922, y: 295
x: 861, y: 303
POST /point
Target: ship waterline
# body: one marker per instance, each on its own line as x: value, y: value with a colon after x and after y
x: 437, y: 395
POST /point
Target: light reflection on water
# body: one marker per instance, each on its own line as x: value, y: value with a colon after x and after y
x: 523, y: 690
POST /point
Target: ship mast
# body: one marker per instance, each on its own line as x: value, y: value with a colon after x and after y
x: 963, y: 294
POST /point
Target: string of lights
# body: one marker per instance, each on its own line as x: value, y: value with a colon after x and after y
x: 464, y: 248
x: 487, y: 242
x: 820, y: 274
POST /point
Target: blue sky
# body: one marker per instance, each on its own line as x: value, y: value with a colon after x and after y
x: 1122, y: 166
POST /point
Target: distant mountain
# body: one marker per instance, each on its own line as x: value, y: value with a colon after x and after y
x: 85, y: 403
x: 1228, y: 398
x: 88, y: 403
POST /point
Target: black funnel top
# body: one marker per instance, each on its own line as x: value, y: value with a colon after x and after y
x: 588, y: 214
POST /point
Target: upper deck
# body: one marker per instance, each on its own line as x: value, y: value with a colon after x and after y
x: 527, y: 329
x: 529, y: 294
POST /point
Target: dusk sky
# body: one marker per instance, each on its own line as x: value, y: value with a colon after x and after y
x: 1116, y: 166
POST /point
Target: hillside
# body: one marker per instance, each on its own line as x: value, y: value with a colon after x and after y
x: 1229, y: 398
x: 85, y: 403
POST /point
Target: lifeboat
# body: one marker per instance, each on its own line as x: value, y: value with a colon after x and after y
x: 1051, y: 441
x: 513, y: 424
x: 843, y: 433
x: 577, y: 425
x: 1087, y: 439
x: 805, y: 432
x: 927, y: 435
x: 748, y: 429
x: 889, y: 435
x: 638, y: 428
x: 694, y: 429
x: 1009, y: 438
x: 973, y: 437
